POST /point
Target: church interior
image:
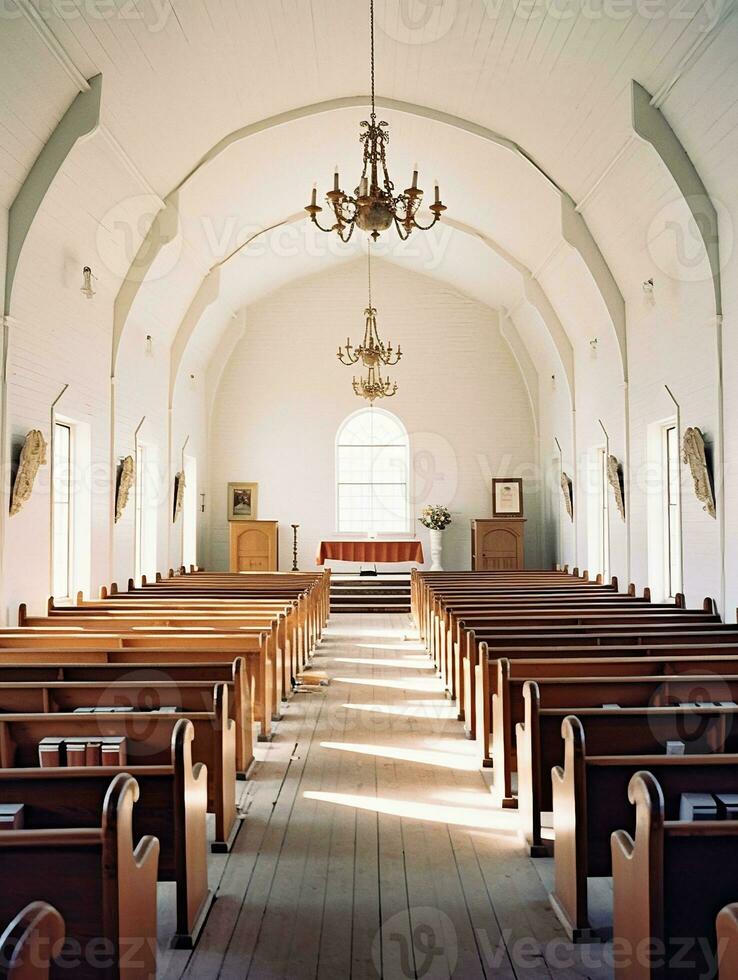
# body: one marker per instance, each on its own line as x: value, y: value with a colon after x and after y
x: 367, y: 595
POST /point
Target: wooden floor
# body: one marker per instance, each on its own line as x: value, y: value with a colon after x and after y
x: 371, y: 846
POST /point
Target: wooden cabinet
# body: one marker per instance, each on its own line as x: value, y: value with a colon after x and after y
x: 254, y: 546
x: 497, y: 544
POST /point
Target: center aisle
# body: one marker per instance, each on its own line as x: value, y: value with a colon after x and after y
x: 368, y: 809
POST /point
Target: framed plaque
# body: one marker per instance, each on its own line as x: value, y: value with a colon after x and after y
x: 507, y: 498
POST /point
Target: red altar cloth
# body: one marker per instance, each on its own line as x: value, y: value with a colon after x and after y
x: 370, y: 551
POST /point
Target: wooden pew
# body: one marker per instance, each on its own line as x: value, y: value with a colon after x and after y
x: 583, y: 691
x: 179, y: 628
x: 149, y: 693
x: 156, y: 647
x: 590, y: 802
x: 171, y: 807
x: 449, y: 646
x: 279, y: 619
x: 29, y: 941
x: 64, y: 667
x: 148, y: 736
x: 610, y: 731
x: 669, y: 883
x: 536, y: 643
x: 103, y: 886
x: 727, y: 935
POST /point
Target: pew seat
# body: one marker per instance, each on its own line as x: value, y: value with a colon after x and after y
x: 100, y: 880
x: 148, y: 742
x: 590, y: 802
x: 171, y: 807
x: 610, y: 731
x: 670, y: 881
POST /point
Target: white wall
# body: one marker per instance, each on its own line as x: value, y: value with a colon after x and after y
x: 283, y: 395
x: 59, y: 338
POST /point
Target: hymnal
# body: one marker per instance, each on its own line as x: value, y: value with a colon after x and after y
x: 11, y: 816
x: 697, y: 806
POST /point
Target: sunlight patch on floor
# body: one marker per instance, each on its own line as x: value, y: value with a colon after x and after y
x: 482, y: 819
x: 407, y: 645
x: 428, y: 757
x: 406, y: 663
x: 364, y: 633
x: 431, y: 710
x: 400, y: 684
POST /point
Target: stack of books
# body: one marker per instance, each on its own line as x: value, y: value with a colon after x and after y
x: 106, y: 750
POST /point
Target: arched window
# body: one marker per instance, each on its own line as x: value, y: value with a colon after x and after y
x: 372, y: 466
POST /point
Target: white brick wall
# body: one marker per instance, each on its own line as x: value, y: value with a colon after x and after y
x: 283, y: 396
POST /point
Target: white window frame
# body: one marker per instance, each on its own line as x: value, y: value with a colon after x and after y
x: 598, y: 514
x: 664, y: 586
x: 376, y: 531
x: 189, y: 512
x: 79, y: 508
x: 56, y: 485
x: 672, y: 509
x: 146, y: 521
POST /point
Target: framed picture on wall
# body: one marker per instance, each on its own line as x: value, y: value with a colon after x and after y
x: 242, y: 500
x: 507, y: 498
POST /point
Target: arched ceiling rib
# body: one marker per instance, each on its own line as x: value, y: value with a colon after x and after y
x: 539, y: 194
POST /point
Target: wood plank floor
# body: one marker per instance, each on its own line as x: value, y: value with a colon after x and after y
x: 371, y: 846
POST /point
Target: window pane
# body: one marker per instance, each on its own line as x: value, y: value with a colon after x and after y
x: 372, y: 474
x: 673, y: 529
x: 61, y: 491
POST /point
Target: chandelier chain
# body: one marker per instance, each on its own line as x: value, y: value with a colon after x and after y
x: 371, y: 34
x: 369, y: 271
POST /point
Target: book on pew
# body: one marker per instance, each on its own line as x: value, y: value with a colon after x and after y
x: 50, y: 753
x: 674, y: 747
x: 113, y: 751
x: 11, y: 816
x: 93, y: 752
x: 76, y: 753
x: 698, y: 806
x: 727, y: 804
x: 167, y: 709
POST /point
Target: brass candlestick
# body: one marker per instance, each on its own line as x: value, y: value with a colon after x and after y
x: 294, y: 547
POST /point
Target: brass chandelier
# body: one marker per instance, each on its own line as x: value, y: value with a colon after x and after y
x: 374, y: 207
x: 372, y: 353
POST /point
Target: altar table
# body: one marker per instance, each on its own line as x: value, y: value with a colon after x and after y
x: 370, y: 551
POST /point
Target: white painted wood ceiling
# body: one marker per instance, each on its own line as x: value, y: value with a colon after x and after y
x: 552, y: 75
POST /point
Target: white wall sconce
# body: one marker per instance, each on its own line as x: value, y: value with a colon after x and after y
x: 87, y: 278
x: 149, y: 344
x: 553, y: 381
x: 593, y: 345
x: 648, y: 287
x: 202, y: 503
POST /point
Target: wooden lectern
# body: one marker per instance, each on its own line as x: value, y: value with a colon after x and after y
x: 254, y: 546
x: 497, y: 544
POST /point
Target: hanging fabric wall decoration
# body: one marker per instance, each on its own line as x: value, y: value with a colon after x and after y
x: 33, y: 455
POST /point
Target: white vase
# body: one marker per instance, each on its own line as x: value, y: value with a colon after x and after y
x: 436, y: 546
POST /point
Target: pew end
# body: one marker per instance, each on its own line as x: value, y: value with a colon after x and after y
x: 529, y: 772
x: 570, y: 894
x: 30, y: 942
x: 726, y: 926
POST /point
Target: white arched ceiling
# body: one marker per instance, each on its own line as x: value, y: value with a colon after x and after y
x: 491, y: 186
x: 457, y: 255
x: 148, y: 59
